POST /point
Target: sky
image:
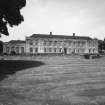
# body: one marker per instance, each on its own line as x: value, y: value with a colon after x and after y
x: 61, y: 17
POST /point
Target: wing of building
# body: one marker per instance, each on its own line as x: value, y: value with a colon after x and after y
x: 14, y: 46
x: 48, y: 43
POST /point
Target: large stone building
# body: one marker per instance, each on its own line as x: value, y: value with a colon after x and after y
x: 42, y: 43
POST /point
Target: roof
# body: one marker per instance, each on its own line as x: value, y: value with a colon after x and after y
x: 60, y: 36
x: 14, y: 42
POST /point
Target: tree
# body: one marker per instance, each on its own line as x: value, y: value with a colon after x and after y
x: 1, y: 47
x: 10, y: 14
x: 101, y: 46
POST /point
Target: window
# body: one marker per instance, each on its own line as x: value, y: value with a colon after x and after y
x: 79, y: 43
x: 83, y: 43
x: 12, y: 48
x: 45, y: 50
x: 94, y: 50
x: 17, y: 49
x: 22, y: 49
x: 69, y: 49
x: 44, y: 43
x: 31, y: 50
x: 89, y: 50
x: 78, y: 50
x: 73, y: 43
x: 36, y: 43
x: 7, y: 49
x: 70, y: 43
x: 31, y: 43
x: 36, y: 50
x: 60, y: 49
x: 50, y: 50
x: 55, y: 43
x: 55, y: 49
x: 50, y: 42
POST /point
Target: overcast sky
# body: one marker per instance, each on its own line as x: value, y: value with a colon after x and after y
x: 62, y: 17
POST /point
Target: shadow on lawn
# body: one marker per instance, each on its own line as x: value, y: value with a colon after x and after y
x: 11, y: 66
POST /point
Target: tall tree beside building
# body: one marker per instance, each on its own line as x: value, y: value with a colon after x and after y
x: 10, y: 14
x: 101, y: 46
x: 1, y: 47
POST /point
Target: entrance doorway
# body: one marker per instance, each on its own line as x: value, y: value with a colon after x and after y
x: 65, y: 50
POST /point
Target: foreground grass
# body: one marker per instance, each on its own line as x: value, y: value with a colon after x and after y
x: 63, y: 80
x: 8, y: 67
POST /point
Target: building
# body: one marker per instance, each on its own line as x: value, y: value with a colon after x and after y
x: 44, y: 44
x: 14, y: 47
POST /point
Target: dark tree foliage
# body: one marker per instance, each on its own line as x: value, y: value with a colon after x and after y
x: 101, y: 46
x: 10, y: 14
x: 1, y: 47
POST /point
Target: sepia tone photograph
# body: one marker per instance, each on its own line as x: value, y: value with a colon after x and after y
x: 52, y: 52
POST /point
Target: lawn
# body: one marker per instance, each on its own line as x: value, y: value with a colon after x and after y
x: 54, y: 80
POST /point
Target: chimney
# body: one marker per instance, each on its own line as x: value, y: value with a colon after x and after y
x: 50, y: 33
x: 73, y: 34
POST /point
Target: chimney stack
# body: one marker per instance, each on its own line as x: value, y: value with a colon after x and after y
x: 50, y: 33
x: 73, y: 34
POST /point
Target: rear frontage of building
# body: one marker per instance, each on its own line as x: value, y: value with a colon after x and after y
x: 52, y: 44
x: 47, y: 44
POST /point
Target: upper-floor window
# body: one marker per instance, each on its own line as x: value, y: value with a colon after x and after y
x: 36, y: 42
x: 31, y: 43
x: 50, y: 42
x: 82, y: 43
x: 55, y: 43
x: 44, y: 43
x: 70, y: 43
x: 74, y: 43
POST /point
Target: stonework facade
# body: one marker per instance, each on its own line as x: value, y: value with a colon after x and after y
x: 40, y: 43
x: 14, y: 46
x: 44, y: 44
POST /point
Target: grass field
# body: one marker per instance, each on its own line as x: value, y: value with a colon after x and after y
x: 59, y: 80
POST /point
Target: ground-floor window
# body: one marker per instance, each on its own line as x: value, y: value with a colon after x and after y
x: 82, y: 50
x: 45, y: 50
x: 7, y: 49
x: 36, y: 50
x: 94, y: 50
x: 22, y: 50
x: 17, y: 50
x: 50, y: 49
x: 31, y: 50
x: 60, y: 50
x: 69, y: 49
x: 12, y: 49
x: 89, y: 50
x: 55, y: 49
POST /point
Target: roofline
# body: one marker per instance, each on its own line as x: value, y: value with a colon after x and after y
x: 59, y: 36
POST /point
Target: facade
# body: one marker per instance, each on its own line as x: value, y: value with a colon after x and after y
x: 44, y: 44
x: 14, y: 46
x: 41, y: 43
